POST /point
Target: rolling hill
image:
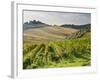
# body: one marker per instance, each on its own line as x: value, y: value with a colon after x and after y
x: 36, y: 31
x: 48, y: 33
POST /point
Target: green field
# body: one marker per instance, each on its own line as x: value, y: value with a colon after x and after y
x: 55, y: 50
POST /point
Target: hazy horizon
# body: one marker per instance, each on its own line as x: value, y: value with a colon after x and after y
x: 57, y: 18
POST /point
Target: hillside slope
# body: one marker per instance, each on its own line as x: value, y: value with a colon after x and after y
x: 48, y: 33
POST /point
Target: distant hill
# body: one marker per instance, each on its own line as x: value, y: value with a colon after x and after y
x: 75, y: 26
x: 37, y: 24
x: 33, y: 24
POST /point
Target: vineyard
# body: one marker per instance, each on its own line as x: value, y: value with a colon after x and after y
x: 70, y: 52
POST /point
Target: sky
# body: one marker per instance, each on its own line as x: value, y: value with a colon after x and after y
x: 57, y: 18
